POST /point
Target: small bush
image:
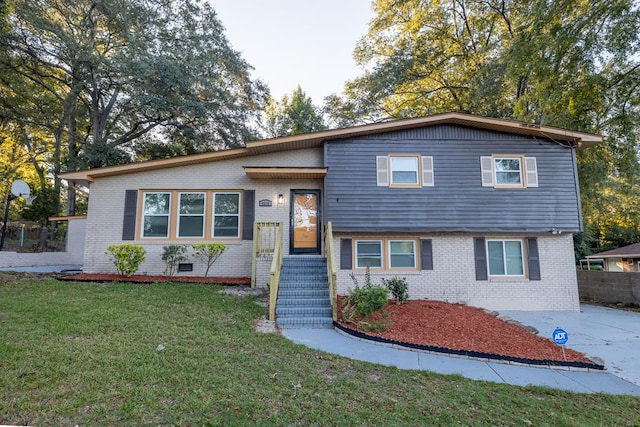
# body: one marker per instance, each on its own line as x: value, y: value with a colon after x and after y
x: 172, y: 255
x: 367, y: 299
x: 208, y: 252
x: 398, y: 288
x: 126, y: 257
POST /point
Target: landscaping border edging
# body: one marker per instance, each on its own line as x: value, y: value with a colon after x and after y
x: 469, y: 353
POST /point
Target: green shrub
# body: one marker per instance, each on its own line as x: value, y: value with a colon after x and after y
x: 367, y: 299
x: 172, y: 255
x: 398, y: 288
x: 126, y: 257
x: 208, y: 252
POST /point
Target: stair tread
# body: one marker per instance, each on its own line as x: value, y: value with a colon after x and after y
x: 303, y: 293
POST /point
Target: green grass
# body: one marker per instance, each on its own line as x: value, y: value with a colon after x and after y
x: 86, y: 354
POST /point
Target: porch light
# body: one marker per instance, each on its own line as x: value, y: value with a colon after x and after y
x: 280, y: 199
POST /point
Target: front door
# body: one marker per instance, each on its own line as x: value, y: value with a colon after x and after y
x: 305, y: 221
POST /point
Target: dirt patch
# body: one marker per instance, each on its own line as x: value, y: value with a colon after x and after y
x: 460, y: 327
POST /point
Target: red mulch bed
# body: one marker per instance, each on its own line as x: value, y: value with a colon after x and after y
x: 142, y: 278
x: 460, y: 327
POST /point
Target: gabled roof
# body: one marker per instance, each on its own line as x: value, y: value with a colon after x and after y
x: 578, y: 140
x: 630, y: 251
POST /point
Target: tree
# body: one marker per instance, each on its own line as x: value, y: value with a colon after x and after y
x: 121, y: 74
x: 292, y: 115
x: 568, y: 64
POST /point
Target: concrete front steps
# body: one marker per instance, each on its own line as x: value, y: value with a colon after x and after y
x: 303, y: 294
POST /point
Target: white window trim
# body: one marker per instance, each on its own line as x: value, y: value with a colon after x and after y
x: 528, y: 171
x: 424, y: 171
x: 385, y: 253
x: 144, y: 214
x: 523, y: 258
x: 214, y: 215
x: 203, y: 215
x: 389, y: 253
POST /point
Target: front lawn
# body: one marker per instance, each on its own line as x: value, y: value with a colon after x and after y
x: 161, y: 354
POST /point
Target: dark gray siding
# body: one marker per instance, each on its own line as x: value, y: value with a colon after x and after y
x: 457, y: 202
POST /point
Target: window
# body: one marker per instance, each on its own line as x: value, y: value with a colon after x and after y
x: 156, y: 210
x: 188, y: 214
x: 505, y: 258
x: 191, y: 215
x: 404, y: 170
x: 226, y: 215
x: 386, y: 254
x: 402, y: 254
x: 509, y: 171
x: 368, y: 254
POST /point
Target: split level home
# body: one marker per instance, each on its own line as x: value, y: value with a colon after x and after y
x: 466, y: 209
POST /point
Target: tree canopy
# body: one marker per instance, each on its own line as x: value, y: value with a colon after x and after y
x: 102, y: 82
x: 293, y: 114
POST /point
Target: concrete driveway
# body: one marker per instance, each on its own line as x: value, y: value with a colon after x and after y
x: 608, y: 334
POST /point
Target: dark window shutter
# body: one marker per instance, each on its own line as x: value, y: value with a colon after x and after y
x: 248, y: 214
x: 480, y: 253
x: 426, y: 254
x: 130, y: 209
x: 533, y: 258
x: 345, y: 254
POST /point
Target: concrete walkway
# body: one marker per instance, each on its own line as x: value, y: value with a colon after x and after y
x: 587, y: 329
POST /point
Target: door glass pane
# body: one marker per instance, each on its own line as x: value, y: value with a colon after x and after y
x: 496, y: 258
x: 305, y: 221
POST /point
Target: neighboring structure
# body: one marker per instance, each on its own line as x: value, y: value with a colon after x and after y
x: 468, y: 209
x: 625, y: 259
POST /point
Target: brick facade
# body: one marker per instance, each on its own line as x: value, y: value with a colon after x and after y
x: 453, y: 276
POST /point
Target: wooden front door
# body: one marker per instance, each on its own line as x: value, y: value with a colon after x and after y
x: 305, y: 222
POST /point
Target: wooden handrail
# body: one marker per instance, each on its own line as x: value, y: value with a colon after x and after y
x: 274, y: 273
x: 329, y: 253
x: 263, y: 244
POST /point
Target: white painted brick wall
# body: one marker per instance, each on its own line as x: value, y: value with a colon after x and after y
x: 106, y: 206
x: 453, y: 276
